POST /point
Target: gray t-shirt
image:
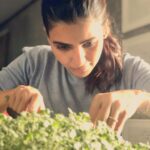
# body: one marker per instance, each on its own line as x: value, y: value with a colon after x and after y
x: 38, y: 67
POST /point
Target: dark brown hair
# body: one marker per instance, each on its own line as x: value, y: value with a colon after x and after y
x: 108, y: 70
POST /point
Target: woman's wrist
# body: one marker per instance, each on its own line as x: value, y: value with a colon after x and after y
x: 144, y: 103
x: 143, y: 97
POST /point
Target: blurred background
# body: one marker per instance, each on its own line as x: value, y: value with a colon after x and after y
x: 21, y: 25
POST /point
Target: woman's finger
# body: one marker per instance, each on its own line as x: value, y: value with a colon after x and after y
x: 99, y: 108
x: 23, y: 104
x: 16, y: 98
x: 103, y: 112
x: 11, y: 101
x: 113, y: 119
x: 114, y: 114
x: 121, y: 121
x: 42, y: 106
x: 18, y: 102
x: 94, y: 107
x: 35, y: 103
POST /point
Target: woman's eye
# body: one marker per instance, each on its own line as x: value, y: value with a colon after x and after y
x: 63, y: 47
x: 87, y: 44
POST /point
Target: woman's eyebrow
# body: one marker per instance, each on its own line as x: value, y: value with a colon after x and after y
x: 61, y: 43
x: 90, y: 39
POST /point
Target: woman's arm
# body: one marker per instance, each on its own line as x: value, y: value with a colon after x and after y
x: 16, y: 73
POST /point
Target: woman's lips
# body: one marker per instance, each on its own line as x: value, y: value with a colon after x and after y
x: 80, y: 69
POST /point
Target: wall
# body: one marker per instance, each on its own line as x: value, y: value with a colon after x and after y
x: 132, y: 26
x: 115, y: 13
x: 136, y: 27
x: 25, y: 30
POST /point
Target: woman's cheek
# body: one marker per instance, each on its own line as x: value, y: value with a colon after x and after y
x: 63, y: 58
x: 95, y: 53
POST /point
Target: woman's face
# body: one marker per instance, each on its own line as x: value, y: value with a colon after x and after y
x: 77, y: 46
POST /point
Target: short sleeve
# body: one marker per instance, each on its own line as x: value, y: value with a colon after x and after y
x: 136, y: 73
x: 16, y: 73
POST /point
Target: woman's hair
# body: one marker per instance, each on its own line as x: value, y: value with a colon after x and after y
x: 108, y: 70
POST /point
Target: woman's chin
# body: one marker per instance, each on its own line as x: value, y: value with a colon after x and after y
x: 80, y: 74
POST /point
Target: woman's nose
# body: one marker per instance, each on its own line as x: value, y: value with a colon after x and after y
x: 78, y: 57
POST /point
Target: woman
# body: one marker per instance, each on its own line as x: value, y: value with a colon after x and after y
x: 82, y: 69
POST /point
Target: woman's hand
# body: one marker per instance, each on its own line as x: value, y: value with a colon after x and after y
x: 115, y: 107
x: 24, y: 98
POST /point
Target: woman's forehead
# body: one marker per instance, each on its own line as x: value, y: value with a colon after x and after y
x: 83, y: 29
x: 78, y: 22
